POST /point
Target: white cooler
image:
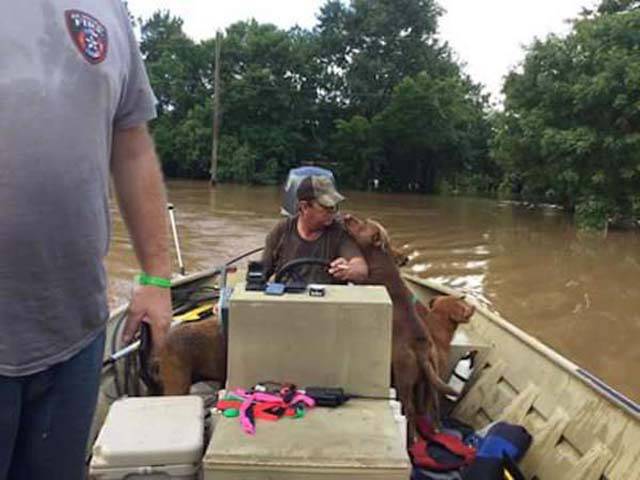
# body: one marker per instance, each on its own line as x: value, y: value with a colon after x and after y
x: 150, y: 438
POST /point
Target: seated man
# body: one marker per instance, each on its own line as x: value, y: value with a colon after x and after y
x: 315, y: 233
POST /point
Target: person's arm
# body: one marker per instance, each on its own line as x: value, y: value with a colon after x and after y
x: 350, y: 265
x: 141, y: 197
x: 353, y: 270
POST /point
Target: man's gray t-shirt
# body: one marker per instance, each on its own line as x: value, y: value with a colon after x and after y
x: 70, y: 75
x: 284, y: 244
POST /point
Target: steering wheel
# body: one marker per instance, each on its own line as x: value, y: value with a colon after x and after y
x: 289, y: 269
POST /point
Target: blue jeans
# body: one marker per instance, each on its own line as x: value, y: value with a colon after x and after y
x: 45, y: 418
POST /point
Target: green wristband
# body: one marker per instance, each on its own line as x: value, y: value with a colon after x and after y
x: 144, y: 279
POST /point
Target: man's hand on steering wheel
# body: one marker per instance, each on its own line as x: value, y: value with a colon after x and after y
x: 353, y: 270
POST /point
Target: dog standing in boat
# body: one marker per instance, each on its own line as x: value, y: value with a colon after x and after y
x: 411, y: 361
x: 193, y: 352
x: 442, y: 318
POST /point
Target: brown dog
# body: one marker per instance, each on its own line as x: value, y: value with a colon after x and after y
x: 193, y: 352
x: 411, y: 341
x: 442, y: 319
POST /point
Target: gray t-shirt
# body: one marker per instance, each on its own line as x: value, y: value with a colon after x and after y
x: 284, y: 244
x: 70, y: 74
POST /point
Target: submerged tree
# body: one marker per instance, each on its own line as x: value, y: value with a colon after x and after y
x: 368, y: 47
x: 376, y: 57
x: 570, y: 132
x: 336, y: 94
x: 434, y: 128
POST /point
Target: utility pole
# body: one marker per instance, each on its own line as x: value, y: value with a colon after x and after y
x: 216, y: 111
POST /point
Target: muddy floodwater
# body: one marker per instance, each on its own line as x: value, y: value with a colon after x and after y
x: 578, y: 293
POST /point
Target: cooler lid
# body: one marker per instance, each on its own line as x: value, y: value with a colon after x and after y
x: 145, y: 431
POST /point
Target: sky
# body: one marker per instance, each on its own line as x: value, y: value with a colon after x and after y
x: 486, y: 35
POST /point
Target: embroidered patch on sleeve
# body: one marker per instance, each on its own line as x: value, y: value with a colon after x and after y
x: 89, y: 35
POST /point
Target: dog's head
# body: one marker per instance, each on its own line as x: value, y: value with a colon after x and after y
x: 371, y: 234
x: 453, y: 308
x: 366, y: 233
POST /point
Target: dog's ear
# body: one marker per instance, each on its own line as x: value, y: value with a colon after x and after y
x: 463, y: 312
x: 385, y: 239
x: 399, y: 258
x: 471, y: 309
x: 376, y: 240
x: 380, y: 238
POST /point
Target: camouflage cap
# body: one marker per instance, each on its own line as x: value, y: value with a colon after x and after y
x: 320, y: 189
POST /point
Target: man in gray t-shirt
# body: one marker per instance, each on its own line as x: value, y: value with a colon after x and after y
x: 74, y: 102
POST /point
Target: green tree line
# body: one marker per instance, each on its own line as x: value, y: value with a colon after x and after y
x: 570, y: 130
x: 372, y: 92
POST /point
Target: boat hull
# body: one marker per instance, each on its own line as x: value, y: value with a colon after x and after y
x: 582, y: 428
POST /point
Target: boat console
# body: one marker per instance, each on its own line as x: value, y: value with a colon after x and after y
x: 339, y: 339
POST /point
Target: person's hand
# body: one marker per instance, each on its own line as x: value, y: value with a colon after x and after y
x: 340, y: 269
x: 152, y: 305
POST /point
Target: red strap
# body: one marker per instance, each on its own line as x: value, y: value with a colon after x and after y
x: 225, y: 404
x: 260, y: 410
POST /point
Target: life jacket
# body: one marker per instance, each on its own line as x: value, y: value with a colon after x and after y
x: 498, y: 451
x: 505, y: 439
x: 439, y: 451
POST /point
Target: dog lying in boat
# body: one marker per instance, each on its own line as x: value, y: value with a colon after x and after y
x: 413, y: 357
x: 193, y: 352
